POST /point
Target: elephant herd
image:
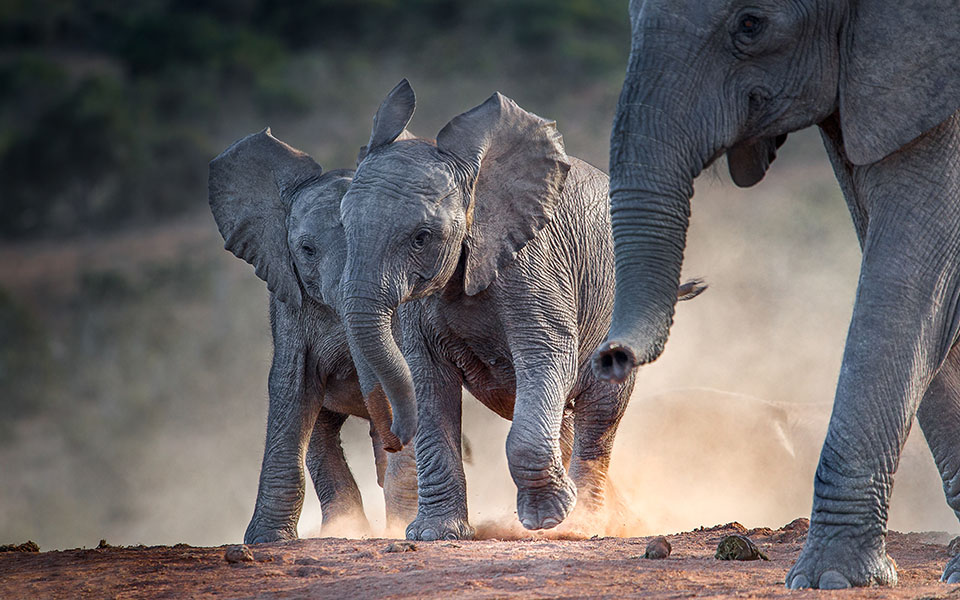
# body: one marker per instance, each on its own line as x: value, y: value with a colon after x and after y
x: 490, y: 260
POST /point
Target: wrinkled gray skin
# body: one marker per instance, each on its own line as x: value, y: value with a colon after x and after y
x: 277, y: 210
x: 880, y: 79
x: 496, y: 248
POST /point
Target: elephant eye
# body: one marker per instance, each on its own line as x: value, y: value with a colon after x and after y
x: 308, y: 250
x: 420, y: 239
x: 750, y: 24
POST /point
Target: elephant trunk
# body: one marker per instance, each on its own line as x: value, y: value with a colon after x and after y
x: 653, y: 161
x: 368, y: 319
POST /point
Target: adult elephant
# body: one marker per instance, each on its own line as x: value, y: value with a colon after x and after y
x: 881, y: 81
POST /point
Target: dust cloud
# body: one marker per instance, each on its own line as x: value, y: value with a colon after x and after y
x: 149, y: 425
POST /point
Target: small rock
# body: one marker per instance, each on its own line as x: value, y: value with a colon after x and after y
x: 311, y: 571
x: 238, y: 554
x: 738, y: 547
x: 307, y: 560
x: 28, y: 546
x: 658, y: 548
x: 401, y: 547
x: 103, y: 544
x: 953, y: 548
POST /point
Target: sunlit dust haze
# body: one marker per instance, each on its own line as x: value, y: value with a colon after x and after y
x: 149, y: 351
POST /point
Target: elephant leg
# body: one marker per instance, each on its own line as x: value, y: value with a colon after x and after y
x: 904, y: 323
x: 291, y: 417
x: 598, y: 411
x: 545, y: 494
x: 400, y: 488
x: 939, y: 417
x: 442, y: 486
x: 340, y: 503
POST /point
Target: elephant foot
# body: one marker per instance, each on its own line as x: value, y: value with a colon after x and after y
x: 831, y: 562
x: 263, y: 535
x: 951, y: 574
x: 545, y: 507
x: 429, y: 529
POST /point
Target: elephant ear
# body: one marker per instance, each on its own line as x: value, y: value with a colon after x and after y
x: 520, y: 168
x: 899, y: 74
x: 748, y: 161
x: 392, y: 117
x: 250, y: 195
x: 365, y: 150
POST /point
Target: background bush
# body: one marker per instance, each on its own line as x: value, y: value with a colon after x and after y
x: 110, y: 110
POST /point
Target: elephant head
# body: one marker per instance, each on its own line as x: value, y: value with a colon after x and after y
x: 421, y: 217
x: 279, y: 211
x: 708, y: 78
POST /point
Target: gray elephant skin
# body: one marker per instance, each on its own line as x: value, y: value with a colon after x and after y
x: 279, y: 211
x: 495, y: 248
x: 881, y: 81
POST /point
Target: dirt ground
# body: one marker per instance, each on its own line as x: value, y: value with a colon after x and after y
x: 491, y: 568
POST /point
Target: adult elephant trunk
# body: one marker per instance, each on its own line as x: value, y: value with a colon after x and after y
x: 653, y: 161
x: 368, y: 316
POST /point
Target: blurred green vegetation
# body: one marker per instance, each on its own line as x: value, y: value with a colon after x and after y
x: 110, y: 110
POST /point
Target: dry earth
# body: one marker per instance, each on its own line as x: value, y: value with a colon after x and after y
x: 531, y: 568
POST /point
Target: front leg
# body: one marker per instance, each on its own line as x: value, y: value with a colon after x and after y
x: 904, y: 322
x: 545, y: 494
x: 939, y: 417
x: 442, y: 505
x: 292, y: 413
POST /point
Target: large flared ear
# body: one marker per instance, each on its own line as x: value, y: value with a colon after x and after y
x: 748, y: 161
x: 520, y: 167
x: 392, y: 117
x: 899, y: 74
x: 250, y: 185
x: 364, y: 150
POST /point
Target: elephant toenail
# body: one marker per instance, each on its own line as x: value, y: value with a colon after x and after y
x: 450, y: 536
x: 833, y: 580
x: 800, y: 582
x: 953, y: 578
x: 550, y: 523
x: 529, y: 524
x: 428, y: 535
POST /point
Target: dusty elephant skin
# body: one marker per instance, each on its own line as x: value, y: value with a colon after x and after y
x: 880, y: 80
x: 494, y: 248
x: 277, y: 210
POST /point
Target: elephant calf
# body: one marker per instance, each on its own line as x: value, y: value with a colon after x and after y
x: 277, y: 210
x: 503, y: 244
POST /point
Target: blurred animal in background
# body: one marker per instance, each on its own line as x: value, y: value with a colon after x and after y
x: 495, y: 248
x: 880, y: 79
x: 280, y: 212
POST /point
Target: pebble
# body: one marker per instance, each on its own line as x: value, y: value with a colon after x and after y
x: 237, y: 554
x: 401, y: 547
x: 658, y: 548
x: 738, y: 547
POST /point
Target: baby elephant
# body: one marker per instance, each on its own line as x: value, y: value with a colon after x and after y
x: 278, y: 211
x: 504, y: 244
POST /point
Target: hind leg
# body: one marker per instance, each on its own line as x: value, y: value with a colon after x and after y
x: 939, y: 417
x: 340, y: 503
x: 597, y: 414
